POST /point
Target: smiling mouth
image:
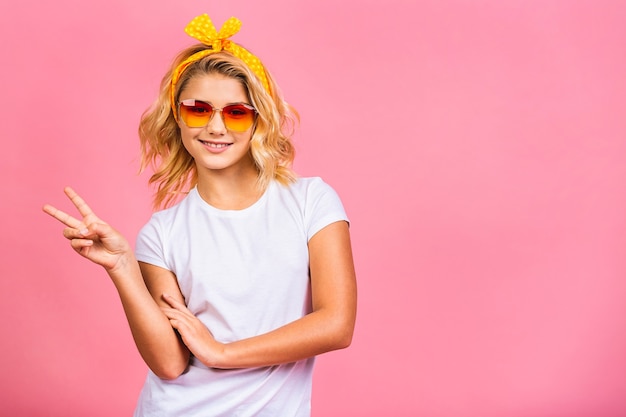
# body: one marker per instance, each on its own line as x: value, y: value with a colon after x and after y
x: 215, y: 145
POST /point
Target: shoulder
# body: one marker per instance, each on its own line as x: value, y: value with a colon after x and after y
x: 307, y: 192
x: 156, y: 238
x: 315, y: 200
x: 162, y: 218
x: 308, y: 187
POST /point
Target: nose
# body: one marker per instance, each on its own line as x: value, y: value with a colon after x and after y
x: 216, y: 124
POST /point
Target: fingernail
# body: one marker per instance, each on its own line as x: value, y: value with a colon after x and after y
x: 84, y: 231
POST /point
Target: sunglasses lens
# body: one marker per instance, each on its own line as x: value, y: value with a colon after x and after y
x: 195, y: 113
x: 237, y: 117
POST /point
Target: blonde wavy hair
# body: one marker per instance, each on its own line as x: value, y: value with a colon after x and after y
x: 161, y: 145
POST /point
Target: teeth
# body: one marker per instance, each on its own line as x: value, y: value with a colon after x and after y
x: 215, y: 145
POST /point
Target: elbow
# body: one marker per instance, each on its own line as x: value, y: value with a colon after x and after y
x: 344, y: 340
x: 169, y: 373
x: 341, y: 337
x: 170, y: 369
x: 339, y: 328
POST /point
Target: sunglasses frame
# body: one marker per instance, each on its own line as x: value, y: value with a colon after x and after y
x: 189, y: 101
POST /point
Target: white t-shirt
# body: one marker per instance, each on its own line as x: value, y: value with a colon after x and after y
x: 242, y: 273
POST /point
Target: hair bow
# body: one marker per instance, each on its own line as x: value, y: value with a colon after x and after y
x: 202, y: 29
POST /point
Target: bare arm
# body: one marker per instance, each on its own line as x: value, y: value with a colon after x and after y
x: 328, y: 327
x: 175, y: 358
x: 95, y: 240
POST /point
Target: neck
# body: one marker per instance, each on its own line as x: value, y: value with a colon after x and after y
x: 230, y: 191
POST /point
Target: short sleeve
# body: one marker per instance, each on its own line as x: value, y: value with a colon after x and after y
x: 323, y: 207
x: 149, y: 246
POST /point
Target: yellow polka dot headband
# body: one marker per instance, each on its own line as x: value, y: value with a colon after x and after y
x: 202, y: 29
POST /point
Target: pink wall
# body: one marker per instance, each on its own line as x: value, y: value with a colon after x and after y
x: 479, y: 147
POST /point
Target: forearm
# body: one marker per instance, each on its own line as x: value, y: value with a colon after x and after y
x: 329, y: 327
x: 316, y: 333
x: 156, y: 340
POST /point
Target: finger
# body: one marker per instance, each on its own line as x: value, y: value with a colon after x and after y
x: 82, y: 233
x: 94, y: 230
x: 80, y: 244
x: 179, y: 327
x: 175, y: 303
x: 173, y: 314
x: 170, y: 313
x: 178, y: 320
x: 63, y: 217
x: 78, y: 202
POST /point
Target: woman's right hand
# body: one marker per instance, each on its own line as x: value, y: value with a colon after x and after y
x: 91, y: 237
x: 156, y: 340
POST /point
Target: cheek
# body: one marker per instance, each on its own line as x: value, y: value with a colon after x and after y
x: 187, y: 140
x: 242, y: 138
x: 245, y: 136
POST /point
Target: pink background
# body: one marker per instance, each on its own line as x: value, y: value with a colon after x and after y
x: 479, y: 148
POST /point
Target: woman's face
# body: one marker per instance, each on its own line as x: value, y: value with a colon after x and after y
x: 215, y: 147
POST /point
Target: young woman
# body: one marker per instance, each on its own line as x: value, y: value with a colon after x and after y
x: 233, y: 290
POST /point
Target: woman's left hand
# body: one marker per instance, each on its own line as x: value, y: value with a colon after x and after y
x: 195, y: 335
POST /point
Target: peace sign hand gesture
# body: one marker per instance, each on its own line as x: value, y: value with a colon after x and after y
x: 91, y: 237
